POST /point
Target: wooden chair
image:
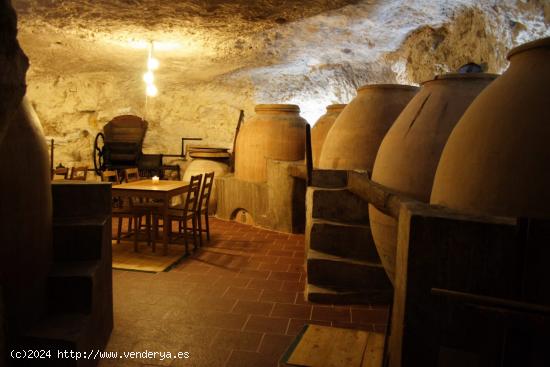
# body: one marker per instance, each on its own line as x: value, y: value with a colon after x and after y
x: 79, y: 173
x: 202, y: 207
x: 183, y: 213
x: 110, y: 176
x: 131, y: 174
x: 60, y: 173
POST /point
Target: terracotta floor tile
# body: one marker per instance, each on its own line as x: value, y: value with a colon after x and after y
x: 232, y: 282
x: 254, y: 274
x: 235, y: 339
x: 290, y: 286
x: 285, y: 253
x: 296, y: 325
x: 251, y: 359
x: 247, y: 294
x: 275, y: 344
x: 264, y: 324
x: 278, y: 296
x: 253, y: 308
x: 214, y: 303
x: 291, y: 311
x: 291, y: 260
x: 336, y: 314
x: 223, y: 320
x: 266, y: 284
x: 278, y: 275
x: 273, y: 267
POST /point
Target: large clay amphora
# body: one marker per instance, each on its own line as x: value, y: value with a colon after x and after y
x: 353, y: 140
x: 25, y: 219
x: 276, y: 132
x: 408, y: 156
x: 496, y: 160
x: 321, y: 128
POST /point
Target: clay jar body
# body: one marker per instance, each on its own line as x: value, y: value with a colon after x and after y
x: 26, y: 219
x: 276, y: 132
x: 353, y: 140
x: 496, y: 159
x: 408, y: 156
x: 321, y: 128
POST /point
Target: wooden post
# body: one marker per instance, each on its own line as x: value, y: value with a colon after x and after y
x: 239, y: 123
x: 309, y: 155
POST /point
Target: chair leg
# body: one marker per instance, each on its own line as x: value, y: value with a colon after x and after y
x: 148, y: 228
x: 199, y: 222
x: 185, y: 239
x: 194, y: 226
x: 119, y: 230
x: 137, y: 228
x: 155, y: 233
x: 207, y: 225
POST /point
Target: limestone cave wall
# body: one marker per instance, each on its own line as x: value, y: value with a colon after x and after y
x: 85, y: 71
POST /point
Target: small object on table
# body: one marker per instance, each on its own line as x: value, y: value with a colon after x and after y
x: 156, y: 180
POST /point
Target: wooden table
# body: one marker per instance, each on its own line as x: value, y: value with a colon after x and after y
x: 163, y: 190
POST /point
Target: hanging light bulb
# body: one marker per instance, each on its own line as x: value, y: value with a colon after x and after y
x: 152, y: 63
x: 149, y: 77
x: 151, y: 90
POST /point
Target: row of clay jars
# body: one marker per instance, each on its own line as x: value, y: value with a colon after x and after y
x: 321, y: 128
x: 408, y: 156
x: 353, y: 140
x: 276, y: 132
x: 496, y: 159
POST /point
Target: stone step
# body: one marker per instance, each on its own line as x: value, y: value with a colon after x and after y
x: 342, y: 240
x: 341, y: 273
x: 60, y: 335
x: 342, y: 296
x: 338, y: 205
x: 73, y: 286
x: 77, y: 239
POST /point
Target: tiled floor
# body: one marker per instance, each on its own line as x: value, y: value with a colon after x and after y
x: 237, y: 302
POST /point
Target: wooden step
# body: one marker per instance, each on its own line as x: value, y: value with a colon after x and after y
x: 343, y: 296
x: 343, y: 240
x: 338, y: 272
x: 337, y: 205
x: 79, y: 239
x: 73, y: 287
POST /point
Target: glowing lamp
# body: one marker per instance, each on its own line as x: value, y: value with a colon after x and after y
x: 148, y: 78
x: 152, y: 64
x: 151, y: 90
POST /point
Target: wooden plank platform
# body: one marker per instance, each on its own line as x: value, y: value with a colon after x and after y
x: 125, y: 258
x: 325, y: 346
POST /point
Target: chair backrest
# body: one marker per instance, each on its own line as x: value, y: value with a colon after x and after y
x: 60, y: 173
x: 192, y: 197
x: 110, y: 176
x: 206, y: 191
x: 131, y: 174
x: 79, y: 173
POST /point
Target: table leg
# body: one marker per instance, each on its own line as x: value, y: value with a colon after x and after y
x: 166, y: 225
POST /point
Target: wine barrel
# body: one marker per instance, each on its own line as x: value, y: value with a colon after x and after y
x: 353, y: 140
x: 496, y: 159
x: 408, y: 156
x: 276, y: 132
x: 321, y: 128
x: 26, y: 252
x: 202, y: 166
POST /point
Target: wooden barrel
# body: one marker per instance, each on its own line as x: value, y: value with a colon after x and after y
x: 276, y: 132
x: 321, y: 128
x: 202, y: 166
x: 496, y: 159
x: 25, y: 219
x: 353, y: 140
x: 408, y: 156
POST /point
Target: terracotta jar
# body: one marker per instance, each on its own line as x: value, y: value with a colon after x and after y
x: 202, y: 166
x: 25, y: 219
x: 409, y: 154
x: 496, y: 159
x: 321, y: 128
x: 353, y: 140
x: 276, y: 132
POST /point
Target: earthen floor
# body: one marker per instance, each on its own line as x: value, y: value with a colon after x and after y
x: 238, y: 301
